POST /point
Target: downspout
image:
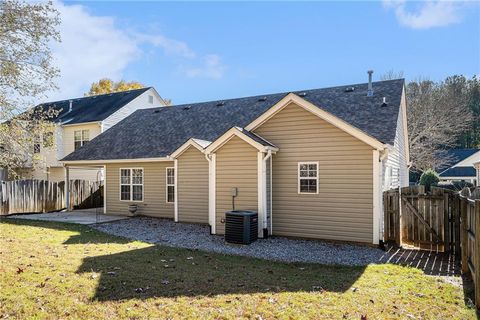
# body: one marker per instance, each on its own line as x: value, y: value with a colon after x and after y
x: 264, y: 174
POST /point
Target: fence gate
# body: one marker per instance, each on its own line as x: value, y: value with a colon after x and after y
x: 423, y: 220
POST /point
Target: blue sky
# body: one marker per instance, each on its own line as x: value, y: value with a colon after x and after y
x: 205, y: 51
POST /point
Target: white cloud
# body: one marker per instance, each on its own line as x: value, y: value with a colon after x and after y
x: 211, y: 67
x: 427, y: 14
x: 91, y: 48
x: 171, y: 46
x: 94, y: 47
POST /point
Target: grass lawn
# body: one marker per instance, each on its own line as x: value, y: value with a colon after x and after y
x: 55, y: 270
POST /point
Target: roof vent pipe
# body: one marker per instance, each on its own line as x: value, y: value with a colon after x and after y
x: 70, y: 105
x: 370, y: 88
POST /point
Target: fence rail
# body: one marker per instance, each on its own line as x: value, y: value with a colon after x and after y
x: 34, y: 196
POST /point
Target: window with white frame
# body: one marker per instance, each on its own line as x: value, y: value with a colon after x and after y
x: 131, y: 184
x: 81, y: 137
x: 170, y: 179
x: 308, y: 177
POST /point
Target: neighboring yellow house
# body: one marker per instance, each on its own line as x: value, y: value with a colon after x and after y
x: 81, y: 120
x: 312, y: 163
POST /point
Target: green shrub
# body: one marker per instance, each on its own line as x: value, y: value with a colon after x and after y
x: 429, y: 178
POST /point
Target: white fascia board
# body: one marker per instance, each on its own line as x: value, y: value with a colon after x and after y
x: 155, y: 92
x: 80, y: 123
x: 185, y: 146
x: 235, y: 132
x: 330, y: 118
x: 457, y: 178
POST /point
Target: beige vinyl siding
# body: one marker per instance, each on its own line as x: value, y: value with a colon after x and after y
x: 154, y: 186
x: 343, y: 208
x: 236, y: 166
x: 192, y: 188
x: 68, y: 135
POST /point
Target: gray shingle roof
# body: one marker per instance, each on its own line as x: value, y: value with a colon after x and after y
x: 256, y: 138
x: 454, y: 156
x: 90, y: 109
x: 459, y: 172
x: 158, y: 132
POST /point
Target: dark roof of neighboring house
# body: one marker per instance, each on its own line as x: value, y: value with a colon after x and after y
x: 454, y: 156
x: 158, y: 132
x: 459, y: 172
x: 92, y: 108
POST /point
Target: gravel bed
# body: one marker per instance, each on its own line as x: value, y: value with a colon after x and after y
x: 193, y: 236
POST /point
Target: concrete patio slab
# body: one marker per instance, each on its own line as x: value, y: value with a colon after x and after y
x: 86, y: 216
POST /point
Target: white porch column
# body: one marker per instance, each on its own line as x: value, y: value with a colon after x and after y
x: 377, y: 196
x: 262, y: 188
x: 211, y: 192
x: 175, y: 204
x: 105, y: 189
x: 67, y: 188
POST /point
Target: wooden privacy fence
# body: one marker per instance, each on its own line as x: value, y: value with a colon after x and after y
x: 442, y: 220
x: 470, y: 238
x: 424, y: 220
x: 30, y: 196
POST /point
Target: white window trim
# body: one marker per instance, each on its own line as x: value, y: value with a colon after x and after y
x: 82, y: 140
x: 299, y: 178
x: 170, y: 185
x: 131, y: 184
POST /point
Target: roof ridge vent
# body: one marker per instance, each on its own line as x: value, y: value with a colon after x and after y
x: 187, y: 107
x: 262, y: 99
x: 349, y: 89
x: 221, y: 103
x: 384, y: 103
x: 302, y: 94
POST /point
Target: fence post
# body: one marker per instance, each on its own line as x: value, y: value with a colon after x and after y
x: 398, y: 235
x: 446, y: 222
x: 477, y: 252
x: 464, y: 233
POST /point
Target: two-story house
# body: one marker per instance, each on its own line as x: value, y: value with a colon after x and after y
x: 80, y: 120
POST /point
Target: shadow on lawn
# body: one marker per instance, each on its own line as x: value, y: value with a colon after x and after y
x: 85, y: 234
x: 160, y: 271
x: 168, y: 272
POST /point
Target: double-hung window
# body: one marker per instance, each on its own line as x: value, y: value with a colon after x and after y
x: 81, y: 137
x: 170, y: 179
x: 308, y: 177
x: 131, y: 184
